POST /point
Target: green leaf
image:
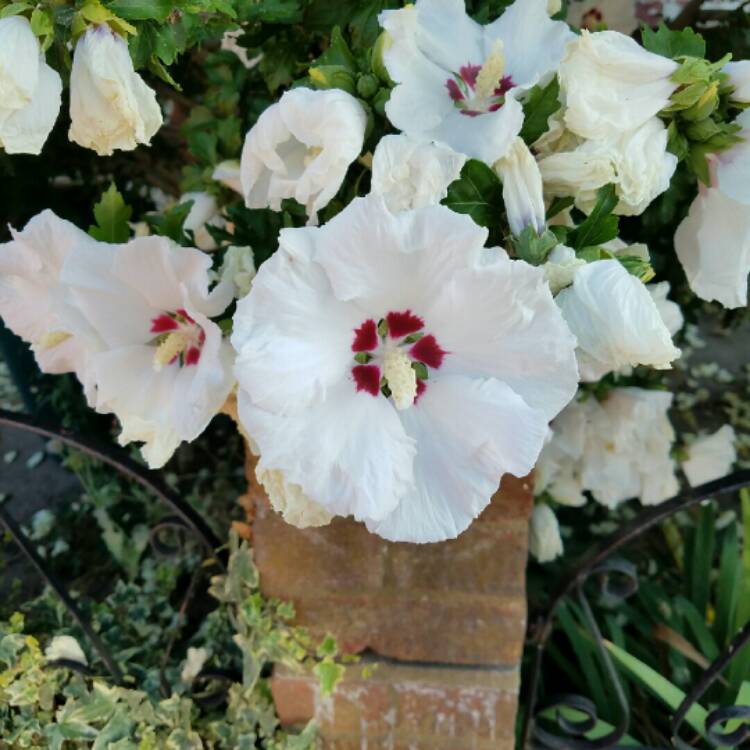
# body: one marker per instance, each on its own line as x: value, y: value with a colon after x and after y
x: 701, y: 558
x: 170, y: 223
x: 337, y: 53
x: 673, y: 44
x: 328, y: 647
x: 539, y: 106
x: 534, y: 248
x: 272, y: 11
x: 329, y: 674
x: 112, y: 215
x: 15, y: 9
x: 638, y: 267
x: 601, y: 226
x: 697, y: 624
x: 478, y: 193
x: 600, y: 728
x: 142, y: 10
x: 421, y: 370
x: 559, y: 205
x: 658, y: 686
x: 729, y: 585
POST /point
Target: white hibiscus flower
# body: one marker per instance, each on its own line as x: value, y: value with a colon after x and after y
x: 110, y: 105
x: 301, y: 148
x: 393, y: 373
x: 33, y: 301
x: 710, y: 456
x: 616, y: 449
x: 611, y: 85
x: 713, y: 241
x: 159, y: 362
x: 545, y: 542
x: 739, y: 77
x: 460, y: 83
x: 636, y: 162
x: 412, y: 174
x: 615, y: 320
x: 30, y: 90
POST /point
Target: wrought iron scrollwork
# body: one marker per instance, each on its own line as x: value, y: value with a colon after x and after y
x: 183, y: 521
x: 618, y: 580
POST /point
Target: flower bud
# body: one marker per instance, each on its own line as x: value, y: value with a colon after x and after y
x: 110, y: 105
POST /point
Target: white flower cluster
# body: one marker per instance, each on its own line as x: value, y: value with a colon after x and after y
x: 110, y: 105
x: 389, y: 365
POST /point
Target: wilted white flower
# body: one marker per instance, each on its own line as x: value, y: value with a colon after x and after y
x: 615, y: 14
x: 159, y: 362
x: 228, y: 173
x: 710, y: 456
x: 238, y: 268
x: 616, y: 449
x: 301, y: 148
x: 522, y: 189
x: 42, y: 523
x: 110, y: 105
x: 291, y: 502
x: 194, y: 663
x: 671, y: 312
x: 545, y: 542
x: 459, y: 82
x: 30, y: 90
x: 411, y: 174
x: 204, y: 212
x: 636, y: 162
x: 611, y: 85
x: 33, y: 302
x: 335, y: 342
x: 615, y: 320
x: 65, y: 647
x: 561, y: 267
x: 713, y: 241
x: 230, y: 44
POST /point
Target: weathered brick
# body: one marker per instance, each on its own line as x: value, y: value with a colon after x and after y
x: 460, y: 601
x: 402, y: 706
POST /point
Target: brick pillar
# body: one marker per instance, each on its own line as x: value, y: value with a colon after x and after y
x: 443, y: 625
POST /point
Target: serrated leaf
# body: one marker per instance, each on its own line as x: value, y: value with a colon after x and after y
x: 112, y: 215
x: 478, y: 193
x: 142, y: 10
x: 601, y: 226
x: 669, y: 43
x: 329, y: 674
x: 539, y: 106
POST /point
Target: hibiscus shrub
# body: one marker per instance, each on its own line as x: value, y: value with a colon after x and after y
x: 409, y: 247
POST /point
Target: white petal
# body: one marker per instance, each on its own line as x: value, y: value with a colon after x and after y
x: 410, y: 174
x: 733, y: 165
x: 347, y: 451
x: 19, y: 62
x: 500, y: 321
x: 711, y: 457
x: 228, y: 173
x: 612, y: 85
x: 713, y: 245
x: 534, y: 44
x: 293, y: 337
x: 615, y: 320
x: 25, y: 130
x: 393, y: 262
x: 739, y: 76
x: 522, y: 189
x: 65, y: 647
x: 469, y: 433
x: 670, y: 312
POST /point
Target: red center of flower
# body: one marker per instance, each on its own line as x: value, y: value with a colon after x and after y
x: 179, y: 338
x: 397, y: 331
x: 462, y: 89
